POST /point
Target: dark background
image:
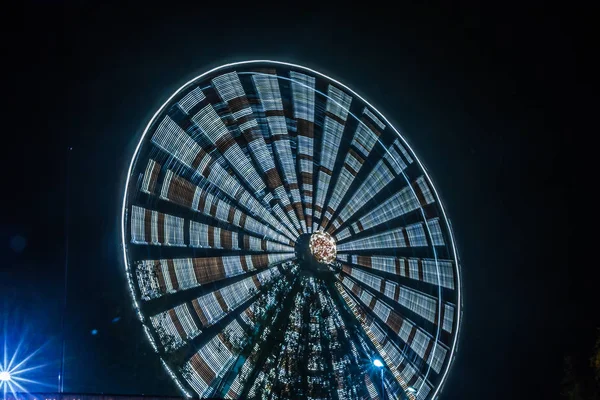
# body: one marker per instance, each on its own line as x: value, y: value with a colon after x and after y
x: 485, y: 97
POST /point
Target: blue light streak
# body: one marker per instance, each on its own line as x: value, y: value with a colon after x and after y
x: 17, y: 363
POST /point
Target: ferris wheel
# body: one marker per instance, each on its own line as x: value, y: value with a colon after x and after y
x: 282, y: 240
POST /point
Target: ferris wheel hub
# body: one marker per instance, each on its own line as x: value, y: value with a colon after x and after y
x: 323, y: 247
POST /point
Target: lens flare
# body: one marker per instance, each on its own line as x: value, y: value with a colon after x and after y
x: 18, y: 363
x: 4, y: 376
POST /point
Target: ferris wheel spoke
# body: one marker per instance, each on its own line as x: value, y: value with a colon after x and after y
x: 216, y: 132
x: 208, y: 202
x: 169, y: 137
x: 390, y: 167
x: 208, y: 366
x: 230, y: 90
x: 208, y: 236
x: 158, y: 304
x: 267, y: 88
x: 438, y: 272
x: 157, y: 278
x: 180, y: 192
x: 336, y: 113
x: 212, y: 307
x: 178, y: 328
x: 403, y: 368
x: 415, y: 235
x: 418, y: 340
x: 365, y: 136
x: 303, y: 94
x: 167, y: 234
x: 414, y: 301
x: 409, y: 199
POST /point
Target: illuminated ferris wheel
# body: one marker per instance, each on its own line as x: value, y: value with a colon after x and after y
x: 282, y: 241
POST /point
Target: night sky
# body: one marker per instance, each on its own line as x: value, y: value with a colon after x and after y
x: 484, y: 96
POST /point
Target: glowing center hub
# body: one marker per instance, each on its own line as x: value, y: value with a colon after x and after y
x: 322, y: 247
x: 5, y: 376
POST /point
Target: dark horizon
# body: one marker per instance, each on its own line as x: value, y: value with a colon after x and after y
x: 482, y: 96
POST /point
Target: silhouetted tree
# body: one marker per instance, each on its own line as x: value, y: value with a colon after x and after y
x: 582, y: 384
x: 595, y: 362
x: 571, y: 384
